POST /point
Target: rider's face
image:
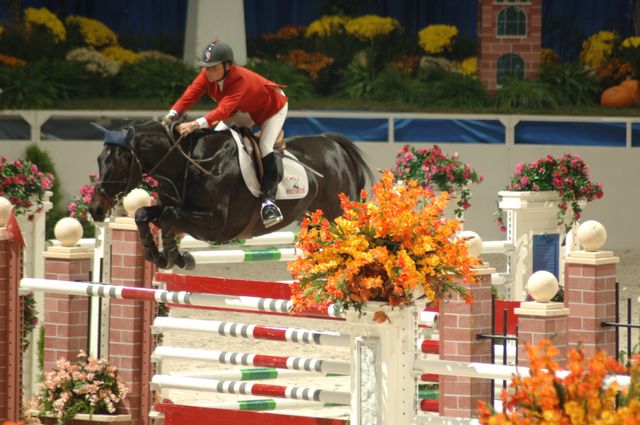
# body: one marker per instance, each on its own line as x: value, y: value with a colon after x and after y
x: 215, y: 73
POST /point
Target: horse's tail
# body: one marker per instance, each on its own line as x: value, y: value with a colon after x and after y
x: 357, y: 157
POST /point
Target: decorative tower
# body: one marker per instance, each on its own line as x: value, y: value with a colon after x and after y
x: 509, y: 37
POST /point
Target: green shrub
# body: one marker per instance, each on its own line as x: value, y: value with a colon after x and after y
x: 154, y: 78
x: 454, y: 90
x: 356, y: 82
x: 571, y: 84
x: 299, y: 85
x: 392, y: 85
x: 27, y: 87
x: 526, y: 94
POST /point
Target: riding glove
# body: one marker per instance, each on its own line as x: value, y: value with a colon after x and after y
x: 169, y: 118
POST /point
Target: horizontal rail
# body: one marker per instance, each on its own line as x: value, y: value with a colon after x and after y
x: 257, y: 360
x: 251, y: 331
x: 195, y: 299
x: 244, y: 255
x: 248, y: 388
x: 263, y: 405
x: 275, y: 238
x: 497, y: 247
x: 492, y: 371
x: 253, y: 374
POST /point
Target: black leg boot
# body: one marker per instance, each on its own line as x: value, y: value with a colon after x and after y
x: 269, y: 212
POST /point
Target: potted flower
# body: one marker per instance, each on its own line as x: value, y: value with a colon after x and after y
x: 24, y: 186
x: 434, y: 169
x: 82, y: 390
x: 392, y: 248
x: 79, y: 205
x: 568, y: 176
x: 579, y: 397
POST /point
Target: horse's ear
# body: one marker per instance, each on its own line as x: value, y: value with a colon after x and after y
x: 99, y: 127
x: 131, y: 134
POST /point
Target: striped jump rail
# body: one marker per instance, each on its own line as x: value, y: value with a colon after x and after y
x: 335, y: 367
x: 162, y: 296
x: 254, y: 374
x: 229, y: 256
x: 247, y: 388
x: 247, y: 287
x: 176, y: 414
x: 269, y: 404
x: 251, y: 331
x: 274, y: 238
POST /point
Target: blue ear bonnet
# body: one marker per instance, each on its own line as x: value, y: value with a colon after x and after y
x: 116, y: 137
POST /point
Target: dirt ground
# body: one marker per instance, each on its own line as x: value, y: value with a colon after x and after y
x: 628, y: 272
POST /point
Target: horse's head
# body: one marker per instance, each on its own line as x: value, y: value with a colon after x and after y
x: 119, y: 172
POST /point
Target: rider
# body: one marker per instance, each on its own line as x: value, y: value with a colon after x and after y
x: 243, y: 98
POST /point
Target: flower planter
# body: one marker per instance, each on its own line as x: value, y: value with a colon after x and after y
x: 86, y: 419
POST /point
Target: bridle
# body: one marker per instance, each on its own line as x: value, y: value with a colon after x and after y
x: 128, y: 181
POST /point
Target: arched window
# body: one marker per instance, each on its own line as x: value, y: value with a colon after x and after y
x: 512, y: 21
x: 509, y: 65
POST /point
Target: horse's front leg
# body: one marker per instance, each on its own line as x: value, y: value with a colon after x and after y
x: 170, y: 251
x: 144, y: 216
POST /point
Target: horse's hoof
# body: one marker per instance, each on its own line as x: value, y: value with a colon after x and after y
x: 162, y: 262
x: 189, y: 261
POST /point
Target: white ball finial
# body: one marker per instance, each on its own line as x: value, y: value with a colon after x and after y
x: 591, y: 235
x: 5, y: 211
x: 135, y: 199
x: 542, y: 286
x: 68, y: 231
x: 474, y: 242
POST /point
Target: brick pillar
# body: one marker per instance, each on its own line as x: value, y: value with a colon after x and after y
x: 460, y: 323
x: 130, y: 340
x: 590, y: 279
x: 10, y: 329
x: 538, y: 321
x: 66, y: 317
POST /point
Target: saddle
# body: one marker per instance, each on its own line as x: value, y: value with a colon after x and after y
x: 251, y: 143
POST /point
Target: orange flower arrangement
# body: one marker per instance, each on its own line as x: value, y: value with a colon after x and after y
x: 285, y: 33
x: 11, y: 60
x: 390, y: 248
x: 311, y: 63
x: 579, y: 398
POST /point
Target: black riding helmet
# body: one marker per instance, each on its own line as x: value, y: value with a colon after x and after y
x: 215, y: 53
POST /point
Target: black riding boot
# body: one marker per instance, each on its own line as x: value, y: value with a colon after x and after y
x: 269, y: 212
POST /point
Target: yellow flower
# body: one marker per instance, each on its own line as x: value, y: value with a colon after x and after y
x: 368, y: 27
x: 437, y: 38
x: 548, y: 56
x: 46, y: 19
x: 95, y: 33
x: 597, y: 48
x: 469, y: 66
x: 631, y: 42
x: 326, y: 26
x: 120, y: 55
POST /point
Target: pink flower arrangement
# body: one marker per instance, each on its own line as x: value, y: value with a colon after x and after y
x: 23, y: 184
x: 568, y: 175
x: 89, y: 386
x: 79, y: 205
x: 433, y: 169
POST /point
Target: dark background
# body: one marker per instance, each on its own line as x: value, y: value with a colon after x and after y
x: 160, y: 24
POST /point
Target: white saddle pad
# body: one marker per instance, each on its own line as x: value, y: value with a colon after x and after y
x: 294, y: 183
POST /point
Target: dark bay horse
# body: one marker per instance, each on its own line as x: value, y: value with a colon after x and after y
x: 207, y: 197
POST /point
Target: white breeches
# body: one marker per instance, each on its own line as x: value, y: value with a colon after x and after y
x: 268, y: 131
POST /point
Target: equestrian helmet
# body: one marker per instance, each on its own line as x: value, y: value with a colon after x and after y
x: 215, y: 53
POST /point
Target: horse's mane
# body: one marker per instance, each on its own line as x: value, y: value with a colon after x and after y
x: 147, y: 127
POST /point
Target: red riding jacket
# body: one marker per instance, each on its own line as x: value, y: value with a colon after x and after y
x: 242, y: 90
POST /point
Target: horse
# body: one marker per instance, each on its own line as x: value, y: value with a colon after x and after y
x: 201, y: 189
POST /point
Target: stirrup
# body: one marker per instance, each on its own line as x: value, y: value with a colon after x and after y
x: 270, y: 213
